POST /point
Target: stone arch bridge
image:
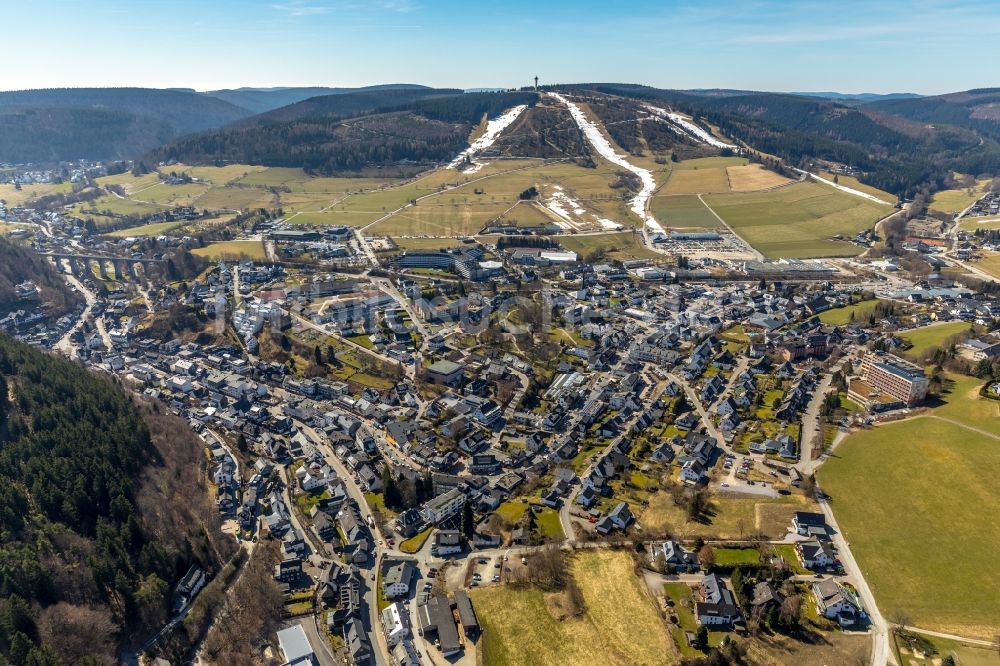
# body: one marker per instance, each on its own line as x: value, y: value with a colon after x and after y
x: 79, y: 265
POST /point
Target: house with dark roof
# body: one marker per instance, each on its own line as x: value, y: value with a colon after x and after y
x: 437, y: 623
x: 809, y: 523
x: 717, y: 605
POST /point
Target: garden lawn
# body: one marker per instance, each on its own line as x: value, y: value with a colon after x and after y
x: 416, y: 542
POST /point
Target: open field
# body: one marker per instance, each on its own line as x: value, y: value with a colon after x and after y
x: 109, y: 205
x: 620, y: 624
x: 621, y: 245
x: 236, y: 187
x: 154, y: 229
x: 15, y: 197
x: 855, y: 184
x: 252, y: 249
x: 753, y: 177
x: 973, y: 223
x: 682, y: 211
x: 728, y: 516
x: 526, y: 214
x: 964, y: 654
x: 167, y: 195
x: 701, y: 176
x: 841, y: 316
x: 955, y: 201
x: 467, y: 208
x: 427, y: 243
x: 924, y: 532
x: 235, y: 198
x: 799, y: 220
x: 926, y: 338
x: 962, y: 402
x: 835, y: 647
x: 990, y: 263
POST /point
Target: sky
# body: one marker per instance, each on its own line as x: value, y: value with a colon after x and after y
x: 849, y: 46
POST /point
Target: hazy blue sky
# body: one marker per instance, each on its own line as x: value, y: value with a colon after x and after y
x: 848, y: 46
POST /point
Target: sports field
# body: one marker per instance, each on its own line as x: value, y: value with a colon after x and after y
x: 250, y: 249
x: 919, y: 503
x: 799, y: 220
x: 619, y: 626
x: 682, y: 211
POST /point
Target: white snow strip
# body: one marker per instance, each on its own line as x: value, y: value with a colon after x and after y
x: 609, y: 225
x: 493, y: 129
x: 605, y: 150
x: 689, y: 127
x: 561, y: 204
x: 843, y: 188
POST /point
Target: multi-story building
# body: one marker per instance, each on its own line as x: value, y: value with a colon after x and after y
x: 888, y: 379
x: 443, y: 506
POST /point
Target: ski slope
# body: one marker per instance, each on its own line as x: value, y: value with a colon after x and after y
x: 685, y: 126
x: 493, y: 129
x: 607, y: 151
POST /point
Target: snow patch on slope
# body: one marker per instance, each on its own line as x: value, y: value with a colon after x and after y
x: 689, y: 128
x: 605, y: 150
x: 493, y: 129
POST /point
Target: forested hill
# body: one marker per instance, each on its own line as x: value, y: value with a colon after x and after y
x: 18, y: 264
x: 349, y: 133
x: 896, y: 151
x: 260, y: 100
x: 102, y: 123
x: 977, y: 109
x: 102, y: 509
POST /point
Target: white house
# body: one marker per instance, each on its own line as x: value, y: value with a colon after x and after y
x: 443, y: 506
x: 815, y: 554
x: 835, y: 602
x: 396, y: 580
x: 395, y: 623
